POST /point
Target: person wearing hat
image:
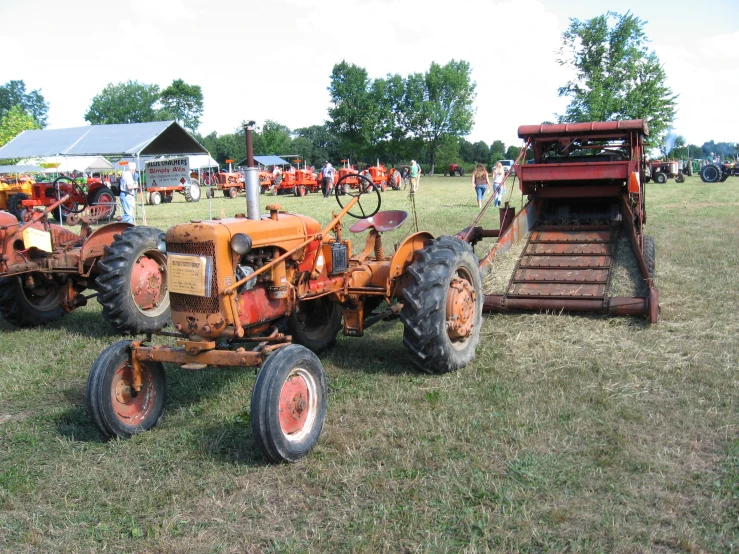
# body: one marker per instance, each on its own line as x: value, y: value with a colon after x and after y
x: 415, y: 176
x: 327, y: 178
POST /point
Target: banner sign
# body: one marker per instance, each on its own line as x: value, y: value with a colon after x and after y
x: 173, y: 172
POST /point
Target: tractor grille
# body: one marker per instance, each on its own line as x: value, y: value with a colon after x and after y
x: 186, y: 303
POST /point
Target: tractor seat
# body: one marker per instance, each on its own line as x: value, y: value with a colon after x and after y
x: 381, y: 221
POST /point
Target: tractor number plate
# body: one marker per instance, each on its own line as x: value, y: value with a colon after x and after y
x: 189, y: 274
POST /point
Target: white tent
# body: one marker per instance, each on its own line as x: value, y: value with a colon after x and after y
x: 87, y: 164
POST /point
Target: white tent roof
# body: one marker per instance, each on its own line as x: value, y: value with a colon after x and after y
x: 75, y: 163
x: 134, y: 139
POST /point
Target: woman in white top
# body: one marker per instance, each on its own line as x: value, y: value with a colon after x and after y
x: 498, y: 187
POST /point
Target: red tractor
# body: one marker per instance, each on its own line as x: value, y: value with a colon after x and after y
x: 660, y: 171
x: 273, y: 291
x: 46, y: 268
x: 44, y: 194
x: 456, y: 169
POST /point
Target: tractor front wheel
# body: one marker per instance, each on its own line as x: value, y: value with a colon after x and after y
x: 233, y: 192
x: 192, y: 192
x: 288, y: 405
x: 442, y: 307
x: 15, y: 205
x: 680, y: 178
x: 28, y: 307
x: 155, y: 198
x: 315, y: 324
x: 133, y: 282
x: 116, y: 407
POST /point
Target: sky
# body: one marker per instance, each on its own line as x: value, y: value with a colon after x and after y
x: 272, y: 59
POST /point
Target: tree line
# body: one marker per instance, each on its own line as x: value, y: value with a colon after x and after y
x: 425, y: 116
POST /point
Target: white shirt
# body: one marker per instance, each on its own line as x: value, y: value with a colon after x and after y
x: 127, y: 182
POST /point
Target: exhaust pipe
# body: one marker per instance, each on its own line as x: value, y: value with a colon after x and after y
x: 251, y: 177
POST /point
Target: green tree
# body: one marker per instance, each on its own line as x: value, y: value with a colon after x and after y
x: 13, y: 122
x: 616, y: 75
x: 129, y: 102
x: 323, y: 144
x: 439, y: 105
x: 273, y: 139
x: 184, y: 102
x: 13, y: 93
x: 352, y: 107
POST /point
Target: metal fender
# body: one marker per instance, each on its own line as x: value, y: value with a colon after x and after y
x: 404, y: 254
x: 94, y: 244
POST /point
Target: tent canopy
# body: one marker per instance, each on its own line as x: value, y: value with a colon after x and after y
x: 22, y: 169
x: 265, y: 160
x: 156, y: 138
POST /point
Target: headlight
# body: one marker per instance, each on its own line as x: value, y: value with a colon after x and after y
x: 162, y: 243
x: 241, y: 243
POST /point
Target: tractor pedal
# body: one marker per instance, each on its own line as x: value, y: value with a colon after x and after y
x: 194, y: 366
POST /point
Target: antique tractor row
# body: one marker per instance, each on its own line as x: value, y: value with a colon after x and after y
x: 20, y: 196
x: 45, y: 270
x: 272, y: 291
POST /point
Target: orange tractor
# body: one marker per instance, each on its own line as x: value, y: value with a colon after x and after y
x: 272, y: 291
x: 46, y: 268
x: 20, y: 196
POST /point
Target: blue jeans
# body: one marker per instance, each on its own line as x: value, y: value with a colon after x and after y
x: 127, y: 205
x: 480, y: 190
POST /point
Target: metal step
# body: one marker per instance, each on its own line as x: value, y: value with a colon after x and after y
x: 565, y: 262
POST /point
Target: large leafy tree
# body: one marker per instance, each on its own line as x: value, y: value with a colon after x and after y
x: 273, y: 138
x: 129, y: 102
x: 184, y: 102
x: 13, y: 93
x: 352, y: 107
x: 13, y: 122
x: 616, y: 75
x: 440, y: 104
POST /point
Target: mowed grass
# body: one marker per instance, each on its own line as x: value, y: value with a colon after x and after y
x: 567, y: 433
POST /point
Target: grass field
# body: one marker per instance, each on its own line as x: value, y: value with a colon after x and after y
x: 566, y: 434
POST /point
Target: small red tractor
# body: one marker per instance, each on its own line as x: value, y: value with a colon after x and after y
x: 297, y: 182
x: 585, y: 192
x: 20, y: 197
x: 660, y: 171
x: 455, y: 169
x: 719, y: 172
x: 231, y: 183
x: 46, y: 268
x: 272, y: 291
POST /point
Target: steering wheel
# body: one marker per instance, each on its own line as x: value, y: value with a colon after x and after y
x: 74, y: 190
x: 365, y: 187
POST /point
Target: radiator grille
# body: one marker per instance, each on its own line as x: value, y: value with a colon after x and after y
x: 186, y: 303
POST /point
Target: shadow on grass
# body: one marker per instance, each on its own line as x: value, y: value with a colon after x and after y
x: 188, y: 390
x: 232, y: 442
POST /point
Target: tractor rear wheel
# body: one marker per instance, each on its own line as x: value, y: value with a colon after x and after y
x: 132, y: 283
x: 315, y: 324
x: 15, y: 205
x: 288, y: 404
x: 24, y: 307
x: 103, y: 196
x: 660, y: 178
x: 116, y: 408
x: 192, y: 192
x: 711, y: 173
x: 442, y: 307
x: 649, y: 254
x: 461, y: 172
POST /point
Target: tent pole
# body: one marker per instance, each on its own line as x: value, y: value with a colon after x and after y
x: 210, y: 191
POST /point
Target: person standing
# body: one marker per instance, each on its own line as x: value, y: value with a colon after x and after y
x: 327, y: 179
x: 128, y: 196
x: 498, y: 187
x: 480, y: 182
x: 415, y: 176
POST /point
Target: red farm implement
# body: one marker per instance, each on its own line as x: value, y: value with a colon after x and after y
x: 585, y: 192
